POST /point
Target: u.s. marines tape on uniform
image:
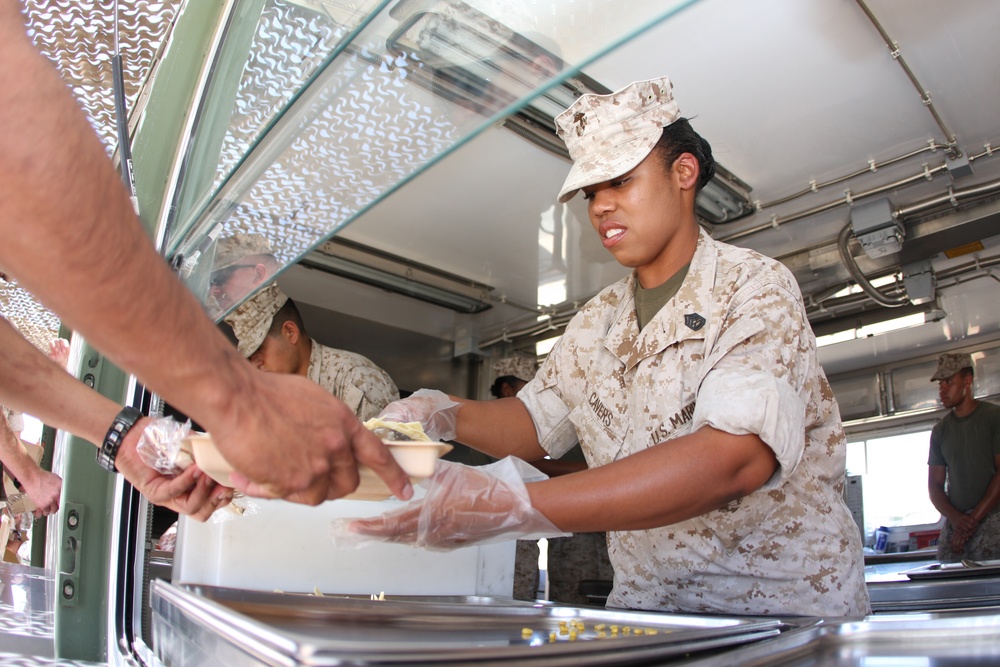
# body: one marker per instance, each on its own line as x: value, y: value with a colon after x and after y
x: 790, y: 547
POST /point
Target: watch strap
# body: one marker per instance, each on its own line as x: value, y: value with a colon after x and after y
x: 108, y: 450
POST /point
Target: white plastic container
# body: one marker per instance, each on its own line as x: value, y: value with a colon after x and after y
x: 287, y: 547
x: 417, y: 459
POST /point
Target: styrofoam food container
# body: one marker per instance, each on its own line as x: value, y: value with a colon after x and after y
x: 209, y: 458
x: 417, y: 460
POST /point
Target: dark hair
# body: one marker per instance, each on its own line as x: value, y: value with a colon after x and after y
x: 287, y: 313
x: 509, y: 380
x: 679, y: 137
x: 968, y: 370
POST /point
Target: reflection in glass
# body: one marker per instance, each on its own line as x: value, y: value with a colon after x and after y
x: 336, y: 104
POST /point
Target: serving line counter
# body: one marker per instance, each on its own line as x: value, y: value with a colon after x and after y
x: 270, y: 587
x: 208, y: 626
x: 926, y: 585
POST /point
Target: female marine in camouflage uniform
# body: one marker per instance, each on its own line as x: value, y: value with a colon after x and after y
x: 714, y: 443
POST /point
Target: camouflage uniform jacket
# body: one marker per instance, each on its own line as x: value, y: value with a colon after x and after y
x: 731, y: 350
x: 352, y: 378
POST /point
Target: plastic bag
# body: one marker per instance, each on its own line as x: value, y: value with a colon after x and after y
x: 161, y: 445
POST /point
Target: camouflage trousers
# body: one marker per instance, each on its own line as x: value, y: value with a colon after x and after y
x: 583, y: 556
x: 526, y: 570
x: 984, y: 545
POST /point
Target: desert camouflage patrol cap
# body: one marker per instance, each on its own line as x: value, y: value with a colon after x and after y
x: 232, y: 249
x: 949, y: 364
x: 609, y: 135
x: 523, y: 368
x: 252, y: 320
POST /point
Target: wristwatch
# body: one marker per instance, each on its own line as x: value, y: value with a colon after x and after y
x: 124, y: 421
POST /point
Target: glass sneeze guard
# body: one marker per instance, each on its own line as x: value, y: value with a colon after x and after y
x: 338, y: 104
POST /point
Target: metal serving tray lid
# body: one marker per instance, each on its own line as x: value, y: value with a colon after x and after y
x: 335, y: 630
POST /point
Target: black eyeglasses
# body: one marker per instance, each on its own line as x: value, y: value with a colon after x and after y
x: 222, y: 276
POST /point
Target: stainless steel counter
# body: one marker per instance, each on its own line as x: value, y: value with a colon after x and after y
x: 208, y: 626
x: 926, y: 586
x: 968, y: 639
x: 218, y: 626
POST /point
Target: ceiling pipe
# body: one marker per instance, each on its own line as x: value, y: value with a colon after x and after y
x: 848, y: 199
x: 980, y: 267
x: 981, y: 190
x: 873, y: 166
x: 925, y: 96
x: 953, y: 198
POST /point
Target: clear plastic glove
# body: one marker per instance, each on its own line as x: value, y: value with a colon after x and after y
x: 161, y: 445
x: 432, y: 408
x: 463, y: 506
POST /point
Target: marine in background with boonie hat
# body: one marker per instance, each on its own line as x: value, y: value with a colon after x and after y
x: 270, y: 333
x: 243, y: 262
x: 715, y: 449
x: 963, y: 473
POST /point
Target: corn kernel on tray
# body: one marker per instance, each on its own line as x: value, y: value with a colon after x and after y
x: 324, y: 629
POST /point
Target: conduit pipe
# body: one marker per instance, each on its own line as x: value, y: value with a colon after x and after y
x: 843, y: 241
x: 981, y: 190
x: 847, y: 199
x: 873, y: 166
x: 980, y: 268
x: 925, y: 96
x: 953, y: 197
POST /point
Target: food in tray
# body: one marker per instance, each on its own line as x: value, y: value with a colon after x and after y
x: 392, y: 430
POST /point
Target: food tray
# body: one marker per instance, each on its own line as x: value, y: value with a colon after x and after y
x: 334, y: 630
x: 417, y: 459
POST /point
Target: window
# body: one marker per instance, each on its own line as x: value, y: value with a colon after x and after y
x: 894, y: 479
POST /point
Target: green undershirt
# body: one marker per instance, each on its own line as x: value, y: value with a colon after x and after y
x: 648, y: 302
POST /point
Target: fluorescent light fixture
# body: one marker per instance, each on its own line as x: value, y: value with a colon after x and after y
x: 877, y: 328
x: 543, y: 347
x: 399, y: 275
x: 478, y: 63
x: 552, y: 292
x: 854, y: 288
x: 724, y: 199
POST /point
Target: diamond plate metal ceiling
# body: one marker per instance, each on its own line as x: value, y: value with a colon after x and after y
x: 78, y: 37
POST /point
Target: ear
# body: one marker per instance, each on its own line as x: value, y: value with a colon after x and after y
x: 259, y: 273
x: 291, y: 332
x: 687, y: 169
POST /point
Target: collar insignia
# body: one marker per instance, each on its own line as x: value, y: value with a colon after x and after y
x: 694, y: 321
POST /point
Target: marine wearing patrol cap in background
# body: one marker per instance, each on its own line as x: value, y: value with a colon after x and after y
x: 962, y: 469
x: 252, y: 320
x: 243, y: 262
x: 233, y: 249
x: 270, y: 332
x: 951, y: 363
